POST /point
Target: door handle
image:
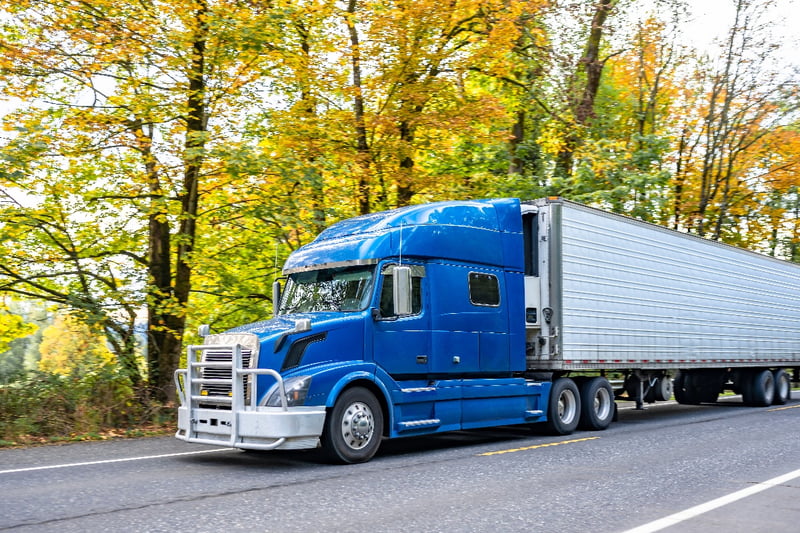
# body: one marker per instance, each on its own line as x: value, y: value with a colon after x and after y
x: 422, y: 359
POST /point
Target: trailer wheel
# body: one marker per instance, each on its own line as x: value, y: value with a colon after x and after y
x: 564, y: 407
x: 762, y: 388
x: 683, y: 388
x: 353, y: 428
x: 783, y: 387
x: 597, y: 404
x: 662, y: 391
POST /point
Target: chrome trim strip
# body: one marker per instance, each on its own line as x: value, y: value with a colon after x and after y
x: 336, y: 264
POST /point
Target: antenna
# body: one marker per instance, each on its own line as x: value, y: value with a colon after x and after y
x: 401, y: 242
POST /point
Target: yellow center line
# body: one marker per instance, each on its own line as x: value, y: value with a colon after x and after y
x: 499, y: 452
x: 783, y: 408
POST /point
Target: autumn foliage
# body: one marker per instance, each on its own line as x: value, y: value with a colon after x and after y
x: 162, y: 157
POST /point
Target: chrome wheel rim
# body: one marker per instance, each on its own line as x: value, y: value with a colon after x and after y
x: 567, y: 406
x: 602, y: 403
x: 358, y: 425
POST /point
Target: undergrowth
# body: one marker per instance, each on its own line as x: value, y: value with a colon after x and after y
x: 42, y: 407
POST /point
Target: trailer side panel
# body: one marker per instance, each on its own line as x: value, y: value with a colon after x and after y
x: 628, y: 294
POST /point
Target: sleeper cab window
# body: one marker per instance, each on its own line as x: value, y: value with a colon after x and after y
x: 484, y: 289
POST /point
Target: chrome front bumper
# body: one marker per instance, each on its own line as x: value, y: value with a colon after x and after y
x: 239, y: 422
x: 262, y: 428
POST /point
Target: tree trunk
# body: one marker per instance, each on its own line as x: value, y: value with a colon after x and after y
x: 405, y: 181
x: 362, y: 143
x: 592, y: 64
x: 592, y: 70
x: 516, y: 164
x: 167, y: 328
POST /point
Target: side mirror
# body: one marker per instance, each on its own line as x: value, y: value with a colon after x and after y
x: 276, y: 297
x: 401, y: 290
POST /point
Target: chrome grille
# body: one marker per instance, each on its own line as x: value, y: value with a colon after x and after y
x: 223, y: 355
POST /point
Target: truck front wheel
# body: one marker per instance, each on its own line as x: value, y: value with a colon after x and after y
x: 353, y: 428
x: 564, y: 408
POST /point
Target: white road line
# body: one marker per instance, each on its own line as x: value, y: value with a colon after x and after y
x: 697, y: 510
x: 107, y: 461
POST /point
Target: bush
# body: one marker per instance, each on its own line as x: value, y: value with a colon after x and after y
x: 43, y: 406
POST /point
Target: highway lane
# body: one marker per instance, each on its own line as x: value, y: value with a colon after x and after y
x: 647, y: 466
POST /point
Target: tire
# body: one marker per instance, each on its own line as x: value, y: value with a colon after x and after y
x: 633, y: 385
x: 353, y: 428
x: 597, y: 404
x: 683, y: 388
x: 707, y: 386
x: 762, y: 388
x: 783, y: 387
x: 662, y: 391
x: 564, y: 407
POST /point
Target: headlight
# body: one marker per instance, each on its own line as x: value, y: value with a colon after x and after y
x: 296, y: 392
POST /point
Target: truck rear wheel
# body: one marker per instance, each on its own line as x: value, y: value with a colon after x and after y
x: 353, y: 428
x: 783, y: 387
x: 597, y: 404
x: 564, y: 408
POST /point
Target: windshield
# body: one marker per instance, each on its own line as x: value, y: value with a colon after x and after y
x: 333, y: 289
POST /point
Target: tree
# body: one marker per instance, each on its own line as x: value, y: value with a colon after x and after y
x: 75, y: 253
x: 741, y: 101
x: 623, y: 161
x: 12, y: 327
x: 69, y: 346
x: 418, y: 57
x: 126, y: 109
x: 580, y: 85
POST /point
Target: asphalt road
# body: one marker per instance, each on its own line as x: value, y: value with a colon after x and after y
x: 719, y: 466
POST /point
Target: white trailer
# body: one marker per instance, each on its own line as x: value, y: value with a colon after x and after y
x: 607, y: 293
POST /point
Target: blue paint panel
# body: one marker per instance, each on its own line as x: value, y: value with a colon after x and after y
x: 479, y: 332
x: 449, y: 407
x: 464, y: 404
x: 498, y: 401
x: 446, y: 345
x: 494, y: 355
x: 515, y: 305
x: 451, y: 307
x: 494, y: 388
x: 475, y: 213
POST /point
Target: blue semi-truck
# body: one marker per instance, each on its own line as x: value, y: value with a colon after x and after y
x: 471, y: 314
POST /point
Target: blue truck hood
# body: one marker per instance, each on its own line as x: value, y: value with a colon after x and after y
x: 332, y: 333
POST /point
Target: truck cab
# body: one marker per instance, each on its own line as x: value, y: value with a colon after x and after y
x: 393, y: 324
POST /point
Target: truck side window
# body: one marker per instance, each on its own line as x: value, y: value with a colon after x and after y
x: 484, y: 289
x: 387, y: 297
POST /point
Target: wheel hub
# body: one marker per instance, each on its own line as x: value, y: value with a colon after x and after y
x: 357, y: 425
